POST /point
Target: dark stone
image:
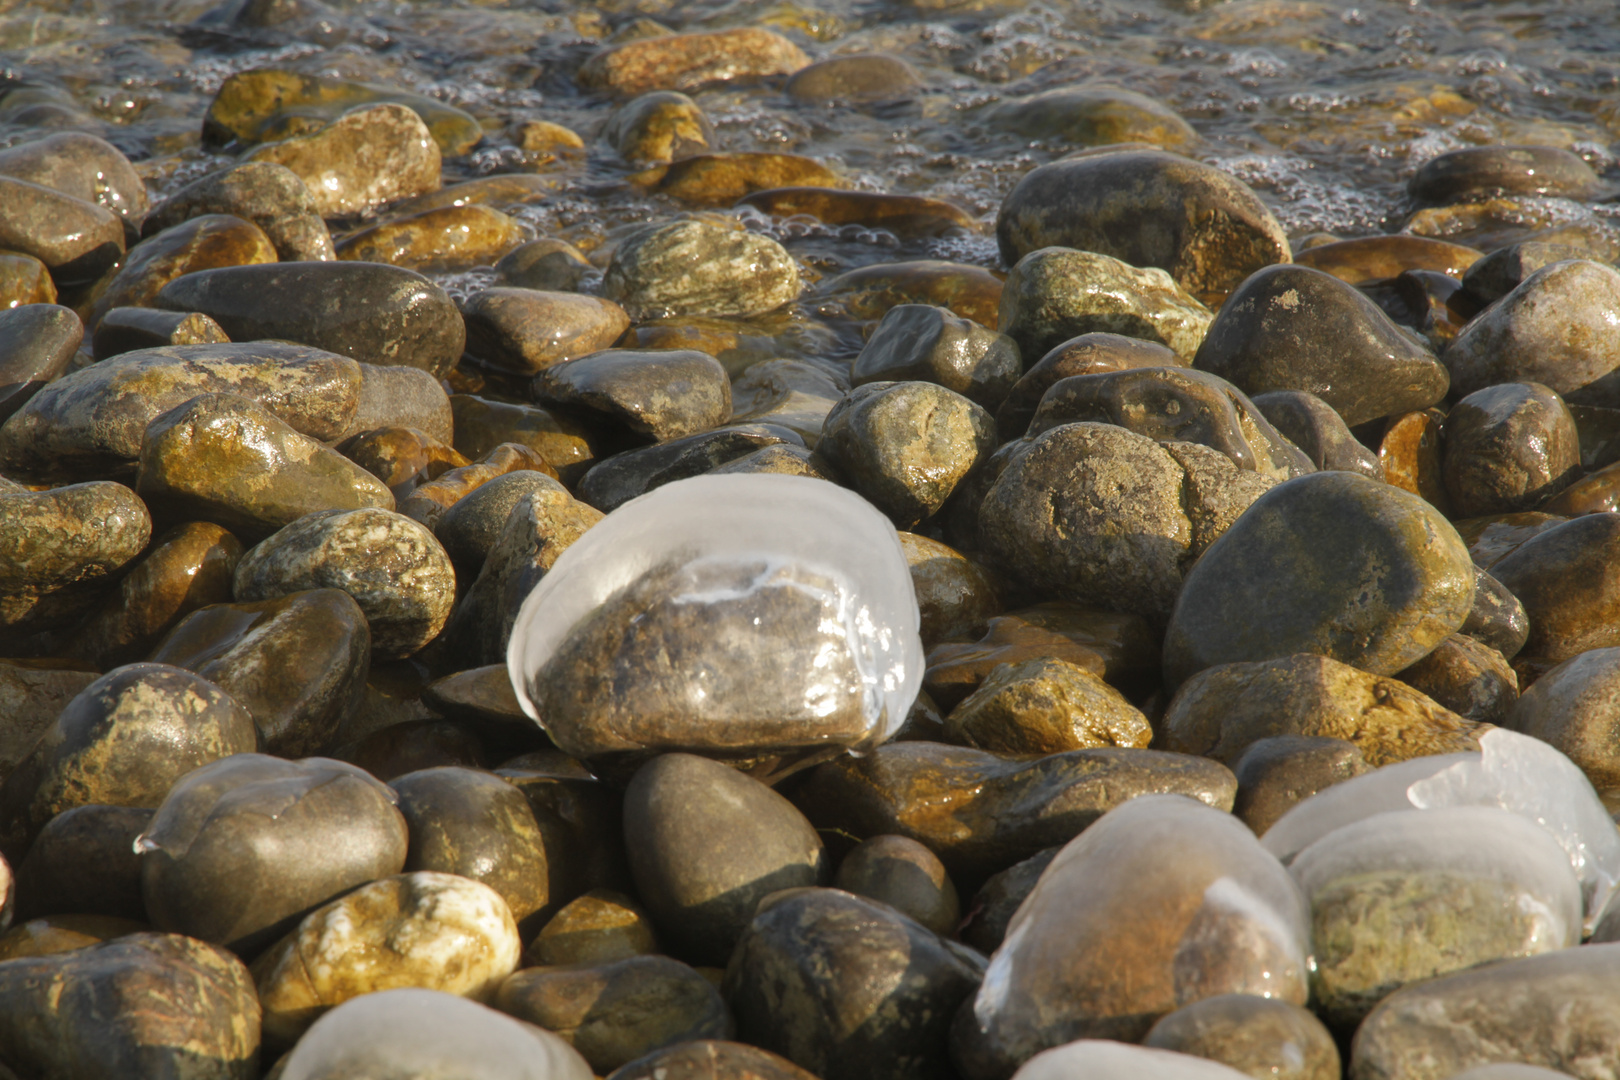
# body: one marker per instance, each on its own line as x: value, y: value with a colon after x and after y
x: 1320, y: 433
x: 77, y: 240
x: 709, y: 1059
x: 83, y: 166
x: 525, y: 330
x: 1088, y: 354
x: 1000, y: 897
x: 473, y: 524
x: 614, y: 481
x: 856, y: 77
x: 128, y: 329
x: 1509, y: 448
x: 1279, y: 772
x: 906, y: 216
x: 1505, y: 269
x: 664, y: 394
x: 404, y: 458
x: 37, y: 342
x: 546, y: 265
x: 201, y: 243
x: 1573, y: 708
x: 392, y: 395
x: 32, y: 694
x: 84, y: 862
x: 62, y: 547
x: 1461, y: 175
x: 1568, y: 579
x: 1263, y: 1037
x: 565, y: 443
x: 931, y: 344
x: 905, y: 875
x: 1497, y: 618
x: 269, y: 195
x: 1468, y: 677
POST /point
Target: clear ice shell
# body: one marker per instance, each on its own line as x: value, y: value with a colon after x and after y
x: 1100, y: 1059
x: 428, y: 1035
x: 780, y: 520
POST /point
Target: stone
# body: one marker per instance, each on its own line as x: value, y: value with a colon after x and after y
x: 1497, y: 619
x: 1093, y: 116
x: 722, y: 179
x: 1505, y: 269
x: 429, y: 502
x: 157, y: 1003
x: 1209, y: 230
x: 1492, y: 539
x: 1293, y: 328
x: 1262, y: 1037
x: 1459, y: 175
x: 242, y: 848
x: 955, y: 595
x: 1045, y: 706
x: 269, y: 195
x: 906, y: 445
x: 919, y: 342
x: 1555, y: 328
x: 123, y: 741
x: 848, y: 987
x: 83, y: 166
x: 616, y: 480
x: 1278, y: 772
x: 1178, y: 894
x: 1319, y: 431
x: 24, y: 280
x: 62, y: 547
x: 1566, y: 579
x: 77, y: 240
x: 57, y: 934
x: 1001, y: 895
x: 370, y: 155
x: 128, y: 329
x: 1596, y: 493
x: 658, y: 127
x: 84, y: 862
x: 980, y: 812
x: 905, y: 875
x: 784, y: 459
x: 32, y: 694
x: 1374, y: 258
x: 544, y: 265
x: 1354, y: 570
x: 37, y: 343
x: 1106, y: 1059
x: 1174, y: 405
x: 473, y: 525
x: 854, y: 78
x: 691, y: 61
x: 866, y: 292
x: 436, y: 241
x: 544, y: 137
x: 1509, y: 448
x: 663, y: 395
x: 706, y: 844
x: 317, y: 644
x: 695, y: 267
x: 525, y: 330
x: 395, y: 395
x: 616, y: 1012
x: 905, y: 216
x: 404, y: 458
x: 1571, y: 708
x: 1411, y: 453
x: 1086, y: 354
x: 201, y: 243
x: 1220, y: 711
x: 266, y: 103
x: 403, y: 317
x: 429, y: 930
x: 92, y: 421
x: 582, y: 820
x: 794, y: 394
x: 1468, y: 677
x: 599, y: 927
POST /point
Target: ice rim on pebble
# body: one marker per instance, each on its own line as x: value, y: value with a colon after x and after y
x: 793, y: 520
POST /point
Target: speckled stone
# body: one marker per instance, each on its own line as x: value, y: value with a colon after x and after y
x: 698, y: 268
x: 368, y: 156
x: 269, y: 195
x: 61, y: 546
x: 525, y: 330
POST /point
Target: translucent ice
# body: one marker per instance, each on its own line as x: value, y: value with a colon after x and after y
x: 1099, y: 1059
x: 1371, y: 793
x: 428, y: 1035
x: 723, y: 613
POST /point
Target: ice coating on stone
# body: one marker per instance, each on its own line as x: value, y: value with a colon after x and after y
x: 767, y: 521
x: 256, y: 783
x: 428, y: 1035
x: 1483, y: 843
x: 1368, y: 794
x: 1101, y: 1059
x: 1509, y: 1070
x: 1534, y: 780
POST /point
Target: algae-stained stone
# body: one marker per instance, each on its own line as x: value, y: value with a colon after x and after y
x: 614, y: 481
x: 201, y: 243
x: 127, y: 329
x: 404, y: 458
x: 425, y: 929
x: 955, y: 595
x: 1374, y: 258
x: 722, y: 179
x: 83, y: 166
x: 77, y: 240
x: 905, y: 875
x: 658, y: 127
x: 866, y: 292
x: 1263, y: 1037
x: 1517, y: 170
x: 472, y: 527
x: 907, y: 216
x: 1508, y: 448
x: 475, y: 824
x: 55, y: 934
x: 1222, y: 709
x: 143, y: 1005
x: 31, y: 696
x: 706, y: 844
x: 1556, y: 328
x: 545, y: 265
x: 59, y: 547
x: 690, y: 61
x: 1319, y: 431
x: 848, y: 987
x: 123, y: 741
x: 1046, y: 706
x: 37, y: 342
x: 269, y: 195
x: 932, y: 344
x: 1498, y: 618
x: 981, y: 812
x: 429, y: 502
x: 699, y: 268
x: 1568, y: 579
x: 396, y: 395
x: 527, y: 330
x: 249, y: 101
x: 597, y: 928
x: 1412, y: 455
x: 1594, y: 493
x: 1146, y: 208
x: 243, y: 847
x: 370, y: 155
x: 24, y: 280
x: 906, y: 445
x: 1331, y: 563
x: 1559, y: 1010
x: 664, y: 394
x: 1093, y: 116
x: 583, y: 823
x: 439, y: 240
x: 1467, y: 676
x: 711, y: 1059
x: 1279, y: 772
x: 225, y: 458
x: 297, y: 663
x: 84, y: 861
x: 1294, y: 328
x: 395, y: 569
x: 92, y: 421
x: 373, y: 313
x: 1575, y: 708
x: 856, y: 77
x: 616, y: 1012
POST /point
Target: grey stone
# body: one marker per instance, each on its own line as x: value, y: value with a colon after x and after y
x: 931, y: 344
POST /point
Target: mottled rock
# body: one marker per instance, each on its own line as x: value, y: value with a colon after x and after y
x: 664, y: 395
x: 128, y: 329
x: 1498, y: 618
x: 1572, y: 707
x: 32, y: 694
x: 77, y: 240
x: 1459, y: 175
x: 1411, y: 453
x: 37, y: 342
x: 658, y: 127
x: 955, y: 595
x: 368, y: 156
x: 1568, y: 580
x: 83, y: 166
x: 1508, y: 448
x: 1045, y: 706
x: 1319, y: 431
x: 526, y: 330
x: 430, y: 501
x: 24, y: 280
x: 1093, y: 116
x: 616, y: 480
x: 598, y: 928
x: 404, y: 458
x: 868, y: 291
x: 1505, y: 269
x: 1266, y: 1038
x: 473, y: 525
x: 1468, y: 677
x: 690, y: 61
x: 919, y: 342
x: 61, y: 547
x: 201, y: 243
x: 269, y: 195
x: 1375, y: 258
x: 1086, y: 354
x: 905, y: 875
x: 722, y: 179
x: 698, y: 268
x: 269, y: 103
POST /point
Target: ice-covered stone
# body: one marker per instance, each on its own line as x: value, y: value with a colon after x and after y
x: 722, y: 615
x: 1100, y: 1059
x: 1380, y: 791
x: 427, y: 1034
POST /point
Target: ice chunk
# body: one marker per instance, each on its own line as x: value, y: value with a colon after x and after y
x: 1370, y: 793
x: 1534, y: 780
x: 1099, y: 1059
x: 428, y: 1035
x: 723, y: 614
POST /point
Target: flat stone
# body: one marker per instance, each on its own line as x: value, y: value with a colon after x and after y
x: 722, y: 179
x: 77, y: 240
x: 268, y: 103
x: 698, y: 268
x: 61, y: 548
x: 436, y: 241
x: 37, y: 342
x: 1458, y: 175
x: 525, y: 330
x: 370, y: 155
x: 664, y: 394
x: 1093, y: 116
x: 854, y: 78
x: 1375, y: 258
x: 866, y: 292
x: 691, y: 61
x: 271, y: 196
x: 57, y: 934
x: 1319, y: 431
x: 1569, y: 583
x: 1254, y: 1035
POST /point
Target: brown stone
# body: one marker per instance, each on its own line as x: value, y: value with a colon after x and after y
x: 905, y: 875
x: 428, y: 502
x: 690, y: 61
x: 201, y: 243
x: 903, y: 215
x: 868, y: 291
x: 369, y: 156
x: 722, y: 179
x: 1568, y: 579
x: 1277, y: 773
x: 61, y: 546
x: 1045, y: 706
x: 436, y: 241
x: 1468, y: 677
x: 598, y: 928
x: 483, y: 425
x: 76, y: 240
x: 24, y: 280
x: 1267, y: 1038
x: 128, y: 329
x: 404, y: 458
x: 1373, y: 258
x: 955, y: 595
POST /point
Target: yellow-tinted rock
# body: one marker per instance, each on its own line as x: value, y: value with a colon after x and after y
x: 451, y: 238
x: 482, y: 425
x: 1094, y: 116
x: 868, y: 291
x: 248, y: 101
x: 903, y: 215
x: 1370, y: 258
x: 1594, y: 494
x: 598, y: 928
x: 722, y: 179
x: 544, y: 137
x: 202, y: 243
x: 428, y: 503
x: 501, y: 190
x: 404, y: 458
x: 1412, y: 455
x: 63, y: 933
x: 954, y: 594
x: 658, y: 127
x: 1046, y: 706
x: 24, y: 280
x: 689, y: 61
x: 372, y: 155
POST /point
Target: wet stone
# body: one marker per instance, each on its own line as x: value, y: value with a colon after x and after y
x: 57, y: 934
x: 664, y: 394
x: 32, y: 695
x: 706, y: 844
x: 854, y: 78
x: 545, y: 265
x: 1278, y: 772
x: 1263, y: 1037
x: 1209, y: 230
x: 24, y: 280
x: 1460, y: 175
x: 616, y: 1012
x: 202, y: 243
x: 795, y: 394
x: 1412, y: 454
x: 1498, y: 618
x: 1468, y: 677
x: 698, y: 268
x: 240, y: 849
x: 722, y: 179
x: 658, y: 127
x: 414, y: 745
x: 1505, y: 269
x: 430, y: 501
x: 1571, y: 708
x: 1045, y: 706
x: 437, y: 241
x: 395, y: 569
x: 1320, y: 432
x: 690, y: 61
x: 931, y: 344
x: 955, y: 595
x: 599, y: 927
x: 848, y: 987
x: 1508, y: 448
x: 368, y: 156
x: 905, y: 875
x: 905, y: 216
x: 394, y: 395
x: 316, y: 642
x: 1567, y: 580
x: 1492, y: 539
x: 84, y: 862
x: 711, y: 1059
x: 1086, y: 354
x: 403, y: 317
x: 77, y: 240
x: 83, y: 166
x: 1374, y: 258
x: 868, y: 291
x: 1093, y: 116
x: 403, y: 458
x: 128, y: 329
x: 616, y: 480
x: 37, y: 342
x: 470, y: 529
x: 544, y: 137
x: 271, y: 196
x: 980, y: 812
x: 993, y: 906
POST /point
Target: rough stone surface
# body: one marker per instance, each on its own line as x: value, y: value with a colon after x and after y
x: 698, y: 268
x: 368, y: 156
x: 269, y: 195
